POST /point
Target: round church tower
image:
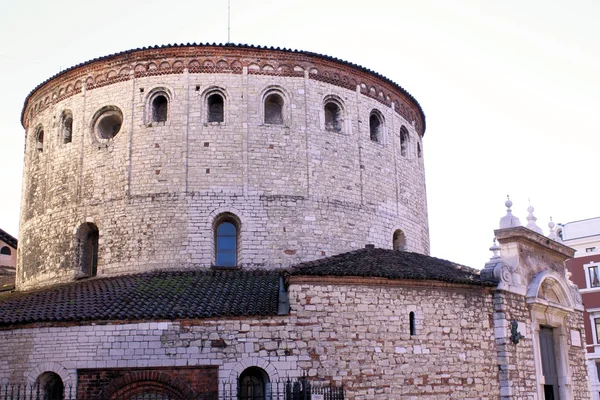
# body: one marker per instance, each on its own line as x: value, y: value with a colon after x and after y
x: 199, y: 156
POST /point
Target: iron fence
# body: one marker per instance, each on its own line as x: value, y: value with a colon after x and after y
x: 296, y: 389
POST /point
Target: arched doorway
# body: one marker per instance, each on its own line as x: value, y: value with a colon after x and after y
x: 50, y: 386
x: 253, y: 384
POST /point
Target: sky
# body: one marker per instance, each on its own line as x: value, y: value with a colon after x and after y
x: 510, y: 90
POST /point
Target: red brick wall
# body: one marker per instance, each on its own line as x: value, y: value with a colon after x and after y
x: 187, y: 382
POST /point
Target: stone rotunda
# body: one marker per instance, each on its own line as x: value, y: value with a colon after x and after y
x: 198, y: 156
x: 239, y: 222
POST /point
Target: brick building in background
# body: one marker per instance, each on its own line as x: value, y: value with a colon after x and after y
x: 203, y: 221
x: 584, y: 237
x: 8, y: 261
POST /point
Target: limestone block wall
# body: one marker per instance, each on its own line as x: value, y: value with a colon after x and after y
x: 352, y: 333
x: 154, y: 190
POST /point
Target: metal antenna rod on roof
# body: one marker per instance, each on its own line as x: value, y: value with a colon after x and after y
x: 228, y: 21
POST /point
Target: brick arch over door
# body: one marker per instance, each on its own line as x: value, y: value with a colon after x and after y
x: 137, y: 383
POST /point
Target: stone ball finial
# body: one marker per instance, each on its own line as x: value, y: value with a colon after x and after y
x: 508, y: 203
x: 509, y: 220
x: 551, y: 224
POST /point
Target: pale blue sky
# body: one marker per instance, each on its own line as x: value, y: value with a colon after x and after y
x: 510, y: 89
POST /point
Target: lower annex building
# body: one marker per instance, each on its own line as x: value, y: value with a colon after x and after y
x: 205, y: 221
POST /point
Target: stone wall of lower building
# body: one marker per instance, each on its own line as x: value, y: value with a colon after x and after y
x: 356, y: 333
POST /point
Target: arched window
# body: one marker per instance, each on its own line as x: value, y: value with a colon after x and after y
x: 376, y: 127
x: 39, y: 139
x: 160, y: 106
x: 403, y: 141
x: 67, y: 126
x: 253, y: 384
x: 226, y: 241
x: 215, y: 106
x: 419, y: 150
x: 399, y: 240
x: 413, y: 326
x: 274, y: 109
x: 333, y: 117
x: 87, y: 250
x: 50, y: 386
x: 5, y: 250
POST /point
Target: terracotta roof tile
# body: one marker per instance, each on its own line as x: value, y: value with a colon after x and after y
x: 158, y: 295
x: 391, y: 264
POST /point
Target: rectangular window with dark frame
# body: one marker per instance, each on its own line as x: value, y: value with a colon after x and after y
x: 598, y: 370
x: 597, y: 322
x: 594, y: 278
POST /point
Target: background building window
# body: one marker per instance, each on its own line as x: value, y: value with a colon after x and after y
x: 597, y: 323
x: 593, y: 274
x: 5, y: 250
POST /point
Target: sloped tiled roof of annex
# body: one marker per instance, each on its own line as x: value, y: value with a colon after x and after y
x: 391, y: 264
x: 8, y: 239
x: 148, y: 296
x: 241, y: 46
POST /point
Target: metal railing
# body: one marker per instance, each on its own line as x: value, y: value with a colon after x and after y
x: 289, y: 389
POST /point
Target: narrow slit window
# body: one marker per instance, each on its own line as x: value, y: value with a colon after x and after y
x: 419, y: 150
x: 274, y: 109
x: 159, y: 108
x: 333, y: 117
x: 375, y: 127
x: 88, y: 238
x: 413, y: 326
x: 67, y: 127
x: 403, y: 141
x: 215, y: 108
x: 39, y: 140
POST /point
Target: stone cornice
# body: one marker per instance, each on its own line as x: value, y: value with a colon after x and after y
x: 522, y: 235
x: 229, y: 58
